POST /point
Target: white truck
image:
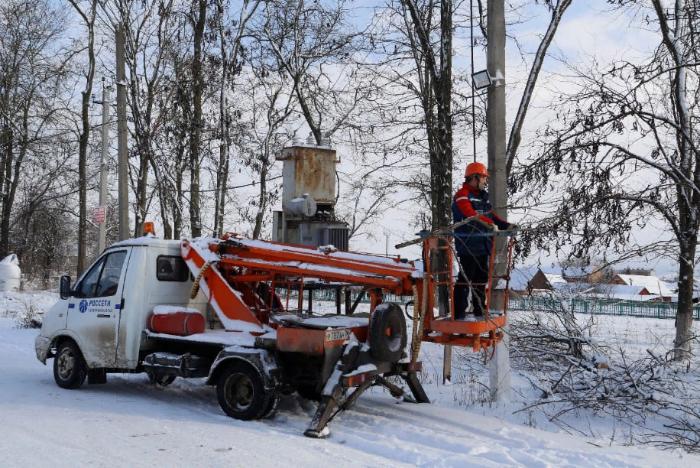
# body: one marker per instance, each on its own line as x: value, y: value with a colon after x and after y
x: 101, y: 318
x: 101, y: 325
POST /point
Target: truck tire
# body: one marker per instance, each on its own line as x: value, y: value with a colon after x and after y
x: 241, y: 392
x: 69, y: 369
x: 387, y: 333
x: 271, y: 406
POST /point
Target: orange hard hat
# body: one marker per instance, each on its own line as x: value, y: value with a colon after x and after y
x: 476, y: 168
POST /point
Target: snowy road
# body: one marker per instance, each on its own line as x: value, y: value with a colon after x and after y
x: 128, y: 422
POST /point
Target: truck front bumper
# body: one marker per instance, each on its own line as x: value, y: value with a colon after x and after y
x: 41, y: 345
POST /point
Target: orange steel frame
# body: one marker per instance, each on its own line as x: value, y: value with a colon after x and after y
x: 240, y: 266
x: 477, y: 334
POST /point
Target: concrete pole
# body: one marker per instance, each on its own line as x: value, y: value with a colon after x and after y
x: 496, y: 110
x: 102, y: 238
x: 122, y: 138
x: 498, y: 190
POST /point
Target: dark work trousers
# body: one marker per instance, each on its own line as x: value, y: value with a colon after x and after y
x: 477, y: 270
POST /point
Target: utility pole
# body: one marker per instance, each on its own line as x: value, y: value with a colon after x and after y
x: 102, y: 215
x: 121, y: 137
x: 498, y: 190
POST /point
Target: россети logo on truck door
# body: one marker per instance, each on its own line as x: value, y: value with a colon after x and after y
x: 95, y: 305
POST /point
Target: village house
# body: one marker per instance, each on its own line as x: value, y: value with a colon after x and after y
x: 650, y: 285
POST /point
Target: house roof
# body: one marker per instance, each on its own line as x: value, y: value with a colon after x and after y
x: 620, y: 291
x: 653, y: 284
x: 620, y: 288
x: 554, y: 278
x: 520, y: 277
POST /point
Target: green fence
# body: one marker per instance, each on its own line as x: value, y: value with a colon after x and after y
x: 546, y: 304
x: 600, y: 307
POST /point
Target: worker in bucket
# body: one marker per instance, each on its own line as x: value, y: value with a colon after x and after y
x: 474, y: 239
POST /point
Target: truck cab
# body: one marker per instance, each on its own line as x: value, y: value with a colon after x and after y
x: 104, y: 314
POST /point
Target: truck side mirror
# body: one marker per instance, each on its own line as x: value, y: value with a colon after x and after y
x: 64, y: 287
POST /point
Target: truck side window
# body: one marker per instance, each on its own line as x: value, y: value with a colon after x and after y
x: 103, y: 278
x: 87, y: 286
x: 171, y: 268
x: 109, y: 280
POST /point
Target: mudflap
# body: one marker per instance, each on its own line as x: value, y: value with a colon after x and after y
x: 356, y: 371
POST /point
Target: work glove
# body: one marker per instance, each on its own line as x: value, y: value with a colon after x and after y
x: 493, y: 227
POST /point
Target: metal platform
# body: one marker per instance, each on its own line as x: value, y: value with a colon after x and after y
x: 468, y: 327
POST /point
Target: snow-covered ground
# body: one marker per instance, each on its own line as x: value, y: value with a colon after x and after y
x: 129, y: 422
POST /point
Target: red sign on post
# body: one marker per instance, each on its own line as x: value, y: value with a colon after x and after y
x: 99, y: 214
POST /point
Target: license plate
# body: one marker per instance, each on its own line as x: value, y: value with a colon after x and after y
x: 337, y: 335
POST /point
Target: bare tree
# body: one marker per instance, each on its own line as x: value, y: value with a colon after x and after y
x: 230, y: 65
x: 434, y: 63
x: 272, y: 106
x: 306, y: 40
x: 623, y: 151
x: 30, y: 79
x: 197, y: 17
x: 557, y: 9
x: 87, y: 13
x: 148, y: 27
x: 172, y: 157
x: 429, y: 27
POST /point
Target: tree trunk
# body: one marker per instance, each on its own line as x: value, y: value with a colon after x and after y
x: 684, y: 313
x: 222, y: 170
x: 262, y: 202
x: 141, y: 187
x: 13, y: 164
x: 82, y: 180
x: 196, y: 129
x: 165, y: 198
x: 442, y: 176
x: 177, y: 202
x: 89, y: 19
x: 5, y: 231
x: 8, y: 156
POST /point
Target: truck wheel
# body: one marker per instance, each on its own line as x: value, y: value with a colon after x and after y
x: 69, y: 369
x: 241, y: 392
x: 387, y: 333
x: 271, y: 406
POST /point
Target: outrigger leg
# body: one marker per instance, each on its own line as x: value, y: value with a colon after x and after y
x: 356, y: 369
x: 332, y: 394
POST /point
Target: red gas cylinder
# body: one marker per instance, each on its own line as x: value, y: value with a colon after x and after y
x: 176, y: 321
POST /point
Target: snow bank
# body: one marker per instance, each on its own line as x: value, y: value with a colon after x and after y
x: 129, y: 422
x: 170, y: 309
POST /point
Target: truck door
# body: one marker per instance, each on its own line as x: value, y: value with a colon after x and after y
x: 94, y: 308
